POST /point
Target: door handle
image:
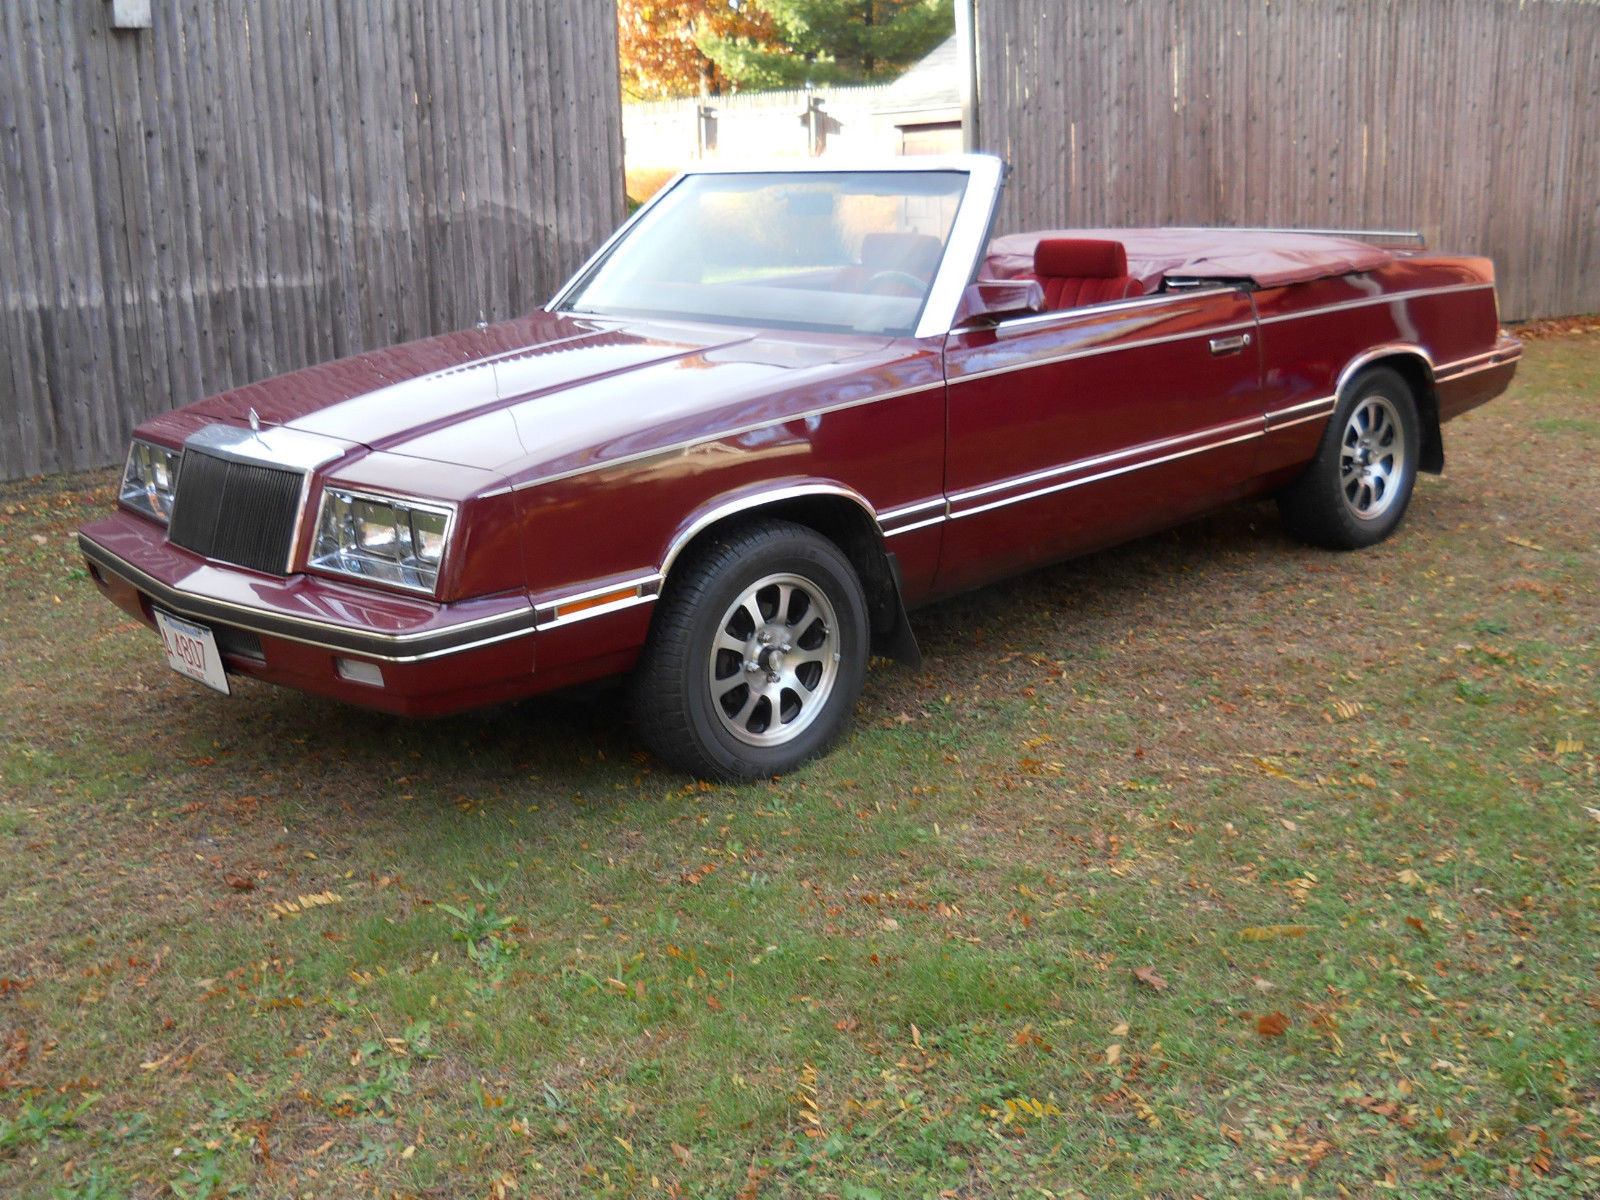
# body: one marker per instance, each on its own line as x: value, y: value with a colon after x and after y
x: 1229, y: 345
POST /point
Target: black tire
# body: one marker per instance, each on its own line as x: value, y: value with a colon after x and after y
x: 1343, y: 500
x: 673, y: 701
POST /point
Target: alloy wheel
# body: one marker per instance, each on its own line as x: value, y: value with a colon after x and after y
x: 1372, y: 458
x: 774, y: 660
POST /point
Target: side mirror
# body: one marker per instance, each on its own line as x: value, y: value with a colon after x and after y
x: 991, y: 300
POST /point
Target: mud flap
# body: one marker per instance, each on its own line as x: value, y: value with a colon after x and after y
x: 891, y: 628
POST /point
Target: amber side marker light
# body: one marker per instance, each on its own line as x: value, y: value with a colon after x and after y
x: 604, y: 598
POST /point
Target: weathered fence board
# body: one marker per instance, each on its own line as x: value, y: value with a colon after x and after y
x: 248, y: 187
x: 1472, y: 120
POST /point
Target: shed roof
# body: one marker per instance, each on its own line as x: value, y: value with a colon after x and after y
x: 931, y: 89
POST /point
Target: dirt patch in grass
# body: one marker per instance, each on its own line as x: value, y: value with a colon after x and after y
x: 1341, y: 806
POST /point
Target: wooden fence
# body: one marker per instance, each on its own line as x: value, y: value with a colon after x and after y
x: 1475, y: 121
x: 247, y: 187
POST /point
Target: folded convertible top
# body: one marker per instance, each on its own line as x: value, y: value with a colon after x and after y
x: 1268, y: 258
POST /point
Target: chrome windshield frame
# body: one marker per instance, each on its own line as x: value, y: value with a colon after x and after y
x: 965, y: 245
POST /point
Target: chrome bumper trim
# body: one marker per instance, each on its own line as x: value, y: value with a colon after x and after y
x: 387, y: 647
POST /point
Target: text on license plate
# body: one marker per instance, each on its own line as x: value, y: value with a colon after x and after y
x: 192, y: 651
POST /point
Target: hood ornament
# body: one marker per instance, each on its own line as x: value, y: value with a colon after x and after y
x: 255, y: 421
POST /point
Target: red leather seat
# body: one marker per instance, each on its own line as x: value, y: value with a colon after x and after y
x: 1079, y: 271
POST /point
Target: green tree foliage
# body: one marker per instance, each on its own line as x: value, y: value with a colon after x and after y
x: 831, y: 41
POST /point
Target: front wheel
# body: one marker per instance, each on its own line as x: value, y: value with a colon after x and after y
x: 756, y: 655
x: 1356, y: 490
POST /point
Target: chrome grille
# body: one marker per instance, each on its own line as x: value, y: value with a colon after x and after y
x: 236, y: 512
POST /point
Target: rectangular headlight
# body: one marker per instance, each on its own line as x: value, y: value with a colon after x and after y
x: 387, y: 539
x: 150, y: 480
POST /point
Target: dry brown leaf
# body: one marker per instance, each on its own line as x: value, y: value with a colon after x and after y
x: 1569, y: 746
x: 682, y: 1153
x: 1418, y: 924
x: 1273, y: 1024
x: 1148, y: 977
x: 1525, y: 543
x: 1113, y: 1054
x: 239, y: 883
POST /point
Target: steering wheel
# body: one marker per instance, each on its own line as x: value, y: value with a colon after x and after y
x: 892, y: 276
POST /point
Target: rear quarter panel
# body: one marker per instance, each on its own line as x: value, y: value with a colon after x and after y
x: 1311, y: 332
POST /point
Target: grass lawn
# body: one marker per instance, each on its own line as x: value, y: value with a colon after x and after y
x: 1212, y: 865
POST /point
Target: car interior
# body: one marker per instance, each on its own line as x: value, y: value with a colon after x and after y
x: 1073, y: 272
x: 1077, y: 271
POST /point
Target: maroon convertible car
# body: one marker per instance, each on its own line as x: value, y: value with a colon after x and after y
x: 777, y: 409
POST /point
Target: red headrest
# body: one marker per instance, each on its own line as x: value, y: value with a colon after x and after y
x: 1080, y: 258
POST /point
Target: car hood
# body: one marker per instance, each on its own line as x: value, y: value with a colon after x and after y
x: 536, y: 389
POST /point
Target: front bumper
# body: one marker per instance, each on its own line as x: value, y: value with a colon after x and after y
x: 432, y: 658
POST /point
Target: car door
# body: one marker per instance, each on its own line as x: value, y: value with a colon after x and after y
x: 1077, y: 429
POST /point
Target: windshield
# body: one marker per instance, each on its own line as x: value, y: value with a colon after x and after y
x: 845, y: 251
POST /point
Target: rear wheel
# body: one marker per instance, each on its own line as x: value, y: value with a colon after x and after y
x: 756, y: 655
x: 1356, y: 490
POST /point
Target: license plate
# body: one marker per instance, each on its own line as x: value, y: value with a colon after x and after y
x: 192, y: 651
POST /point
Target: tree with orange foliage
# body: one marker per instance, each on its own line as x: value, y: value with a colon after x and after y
x: 658, y: 43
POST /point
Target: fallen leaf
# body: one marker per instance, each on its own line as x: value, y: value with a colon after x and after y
x: 289, y: 908
x: 1272, y: 933
x: 1113, y: 1054
x: 1121, y: 1030
x: 1410, y: 878
x: 1148, y: 977
x: 682, y: 1153
x: 1346, y: 710
x: 1026, y: 1036
x: 1418, y: 924
x: 1272, y: 1025
x: 239, y: 883
x: 1525, y: 543
x: 1569, y: 746
x: 1262, y: 985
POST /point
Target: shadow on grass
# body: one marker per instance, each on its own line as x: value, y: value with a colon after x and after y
x: 581, y: 741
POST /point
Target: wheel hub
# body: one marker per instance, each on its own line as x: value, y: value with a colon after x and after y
x: 769, y: 657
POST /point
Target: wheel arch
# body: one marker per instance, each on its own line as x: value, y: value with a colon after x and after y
x: 835, y: 511
x: 1414, y: 364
